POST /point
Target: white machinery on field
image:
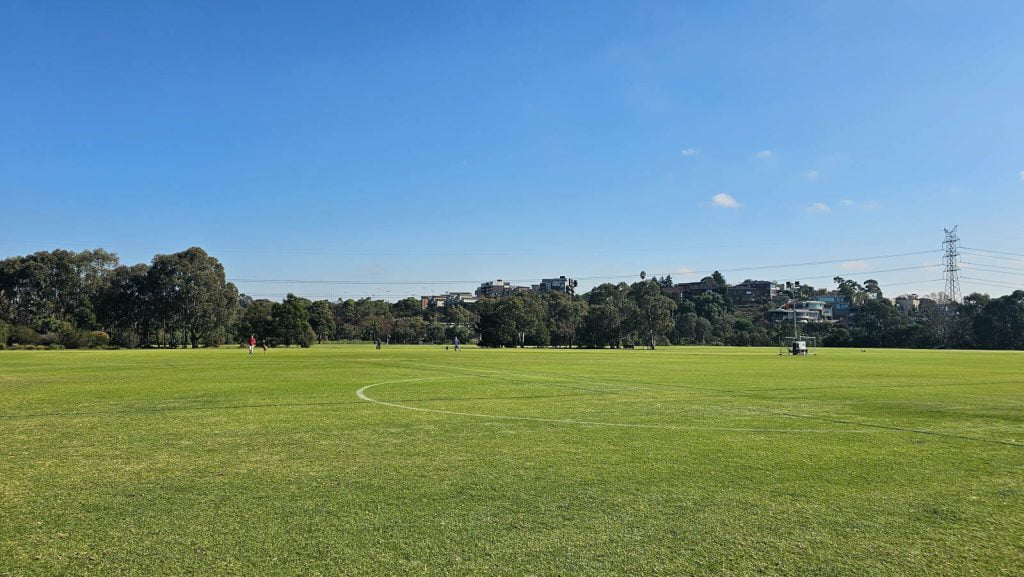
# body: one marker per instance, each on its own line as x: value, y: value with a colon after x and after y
x: 798, y: 345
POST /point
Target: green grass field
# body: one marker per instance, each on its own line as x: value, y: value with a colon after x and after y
x: 345, y: 460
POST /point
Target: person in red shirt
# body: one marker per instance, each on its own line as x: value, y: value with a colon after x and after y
x: 252, y: 343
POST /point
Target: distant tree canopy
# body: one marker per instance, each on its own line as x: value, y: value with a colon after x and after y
x: 62, y: 298
x: 191, y: 295
x: 58, y: 285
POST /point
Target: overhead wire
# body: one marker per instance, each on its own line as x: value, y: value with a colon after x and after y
x: 875, y: 272
x: 401, y: 296
x: 995, y: 256
x: 991, y: 282
x: 596, y: 277
x: 993, y: 251
x: 987, y: 269
x: 1016, y: 268
x: 889, y: 284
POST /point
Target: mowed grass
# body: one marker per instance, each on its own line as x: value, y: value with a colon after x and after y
x: 680, y: 461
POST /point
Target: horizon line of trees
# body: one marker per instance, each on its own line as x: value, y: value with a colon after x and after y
x: 61, y: 298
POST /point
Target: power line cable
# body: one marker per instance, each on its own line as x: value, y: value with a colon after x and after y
x: 875, y: 272
x: 602, y: 277
x: 974, y: 253
x: 1016, y: 268
x: 983, y: 269
x: 912, y: 282
x: 416, y: 296
x: 994, y: 251
x: 995, y: 282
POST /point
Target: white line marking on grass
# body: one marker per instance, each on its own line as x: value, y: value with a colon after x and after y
x: 361, y: 393
x: 554, y: 378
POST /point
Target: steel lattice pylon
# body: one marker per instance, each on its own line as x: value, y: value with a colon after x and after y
x: 951, y: 272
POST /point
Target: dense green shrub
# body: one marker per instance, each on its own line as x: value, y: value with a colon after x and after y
x: 215, y: 337
x: 22, y: 335
x: 55, y: 326
x: 124, y: 339
x: 72, y: 339
x: 47, y: 339
x: 308, y: 337
x: 99, y: 339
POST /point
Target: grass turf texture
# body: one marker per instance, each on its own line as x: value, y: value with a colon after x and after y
x: 680, y: 461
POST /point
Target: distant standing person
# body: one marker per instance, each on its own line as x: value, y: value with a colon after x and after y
x: 252, y: 343
x: 377, y: 341
x: 457, y: 343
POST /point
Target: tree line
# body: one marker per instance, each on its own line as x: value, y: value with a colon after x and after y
x: 66, y: 299
x: 76, y: 300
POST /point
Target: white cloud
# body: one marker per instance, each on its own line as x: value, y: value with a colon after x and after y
x: 864, y: 205
x: 819, y: 207
x: 691, y: 151
x: 854, y: 265
x: 765, y: 154
x: 811, y: 174
x: 682, y: 270
x: 725, y: 201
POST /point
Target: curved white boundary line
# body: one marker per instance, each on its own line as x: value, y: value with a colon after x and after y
x: 361, y: 393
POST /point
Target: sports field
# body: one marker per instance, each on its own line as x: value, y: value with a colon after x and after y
x: 345, y: 460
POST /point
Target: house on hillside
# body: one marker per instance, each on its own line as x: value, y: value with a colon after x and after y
x: 753, y: 291
x: 447, y: 299
x: 907, y: 303
x: 561, y: 284
x: 803, y: 311
x: 432, y: 301
x: 837, y: 306
x: 459, y: 299
x: 689, y: 290
x: 498, y: 288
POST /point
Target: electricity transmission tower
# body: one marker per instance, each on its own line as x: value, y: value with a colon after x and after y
x: 951, y: 273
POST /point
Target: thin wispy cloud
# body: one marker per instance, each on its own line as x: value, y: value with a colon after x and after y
x: 854, y: 265
x: 764, y: 154
x: 1021, y: 175
x: 819, y: 207
x: 682, y: 270
x: 861, y: 204
x: 811, y: 174
x: 690, y: 151
x: 725, y: 201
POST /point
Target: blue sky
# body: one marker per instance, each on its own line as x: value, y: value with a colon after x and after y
x: 391, y: 144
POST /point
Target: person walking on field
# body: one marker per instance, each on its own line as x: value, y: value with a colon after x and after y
x: 252, y: 343
x: 457, y: 343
